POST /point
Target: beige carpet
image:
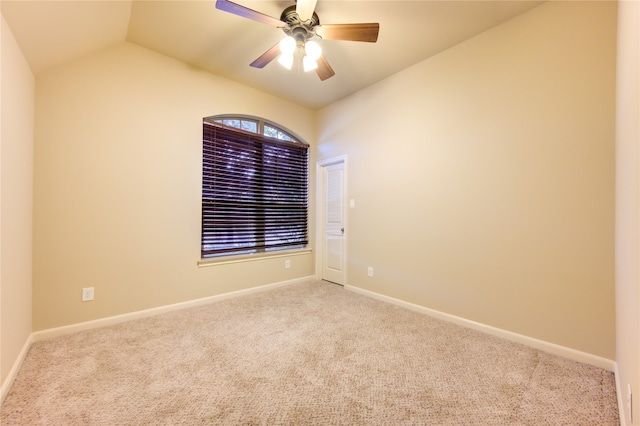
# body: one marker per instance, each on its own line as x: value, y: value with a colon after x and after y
x: 309, y: 353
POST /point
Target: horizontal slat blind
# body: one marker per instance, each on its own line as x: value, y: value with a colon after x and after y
x: 254, y: 192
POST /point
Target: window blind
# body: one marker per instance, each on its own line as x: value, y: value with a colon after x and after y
x: 254, y: 192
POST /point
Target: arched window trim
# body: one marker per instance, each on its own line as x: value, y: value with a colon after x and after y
x: 261, y: 123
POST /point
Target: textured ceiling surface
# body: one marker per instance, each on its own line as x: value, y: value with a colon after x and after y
x: 53, y: 32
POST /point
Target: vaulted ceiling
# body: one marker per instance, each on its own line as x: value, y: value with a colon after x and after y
x: 53, y: 32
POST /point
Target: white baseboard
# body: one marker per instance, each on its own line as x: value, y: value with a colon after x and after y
x: 8, y: 382
x: 552, y: 348
x: 102, y: 322
x: 621, y: 405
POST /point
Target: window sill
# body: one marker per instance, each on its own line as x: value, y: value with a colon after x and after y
x: 202, y: 263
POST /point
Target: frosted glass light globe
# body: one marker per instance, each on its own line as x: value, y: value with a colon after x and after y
x: 313, y: 50
x: 287, y: 45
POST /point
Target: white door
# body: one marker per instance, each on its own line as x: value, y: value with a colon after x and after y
x: 333, y: 223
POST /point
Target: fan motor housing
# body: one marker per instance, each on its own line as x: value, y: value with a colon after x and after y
x: 290, y: 16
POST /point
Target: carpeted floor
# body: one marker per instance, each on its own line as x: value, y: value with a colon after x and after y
x: 303, y: 354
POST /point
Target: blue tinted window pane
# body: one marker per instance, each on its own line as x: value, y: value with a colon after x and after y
x: 250, y: 126
x: 232, y: 123
x: 270, y: 131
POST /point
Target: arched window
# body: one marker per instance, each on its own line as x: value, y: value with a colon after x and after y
x: 254, y: 187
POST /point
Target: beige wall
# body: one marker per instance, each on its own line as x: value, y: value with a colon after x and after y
x: 483, y: 178
x: 628, y: 206
x: 118, y: 148
x: 16, y: 189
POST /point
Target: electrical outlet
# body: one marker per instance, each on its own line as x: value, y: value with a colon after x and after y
x: 370, y: 271
x: 287, y: 264
x: 87, y: 294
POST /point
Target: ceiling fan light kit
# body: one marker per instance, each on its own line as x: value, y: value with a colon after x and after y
x: 301, y: 25
x: 290, y: 48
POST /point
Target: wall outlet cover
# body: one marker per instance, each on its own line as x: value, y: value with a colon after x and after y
x: 87, y: 294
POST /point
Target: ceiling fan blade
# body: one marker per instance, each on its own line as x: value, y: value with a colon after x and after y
x: 324, y: 70
x: 245, y: 12
x: 350, y: 32
x: 267, y: 57
x: 305, y: 8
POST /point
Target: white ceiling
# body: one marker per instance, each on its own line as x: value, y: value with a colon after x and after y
x: 52, y: 32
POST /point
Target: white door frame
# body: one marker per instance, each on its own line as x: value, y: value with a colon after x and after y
x: 320, y: 166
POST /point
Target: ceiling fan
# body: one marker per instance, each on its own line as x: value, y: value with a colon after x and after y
x: 302, y: 26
